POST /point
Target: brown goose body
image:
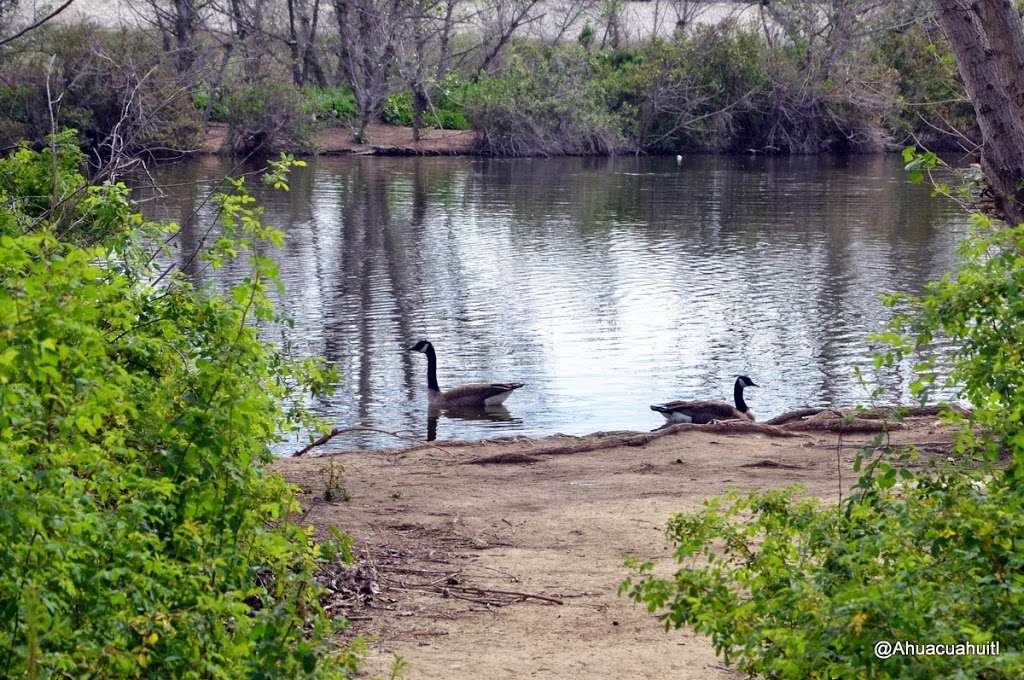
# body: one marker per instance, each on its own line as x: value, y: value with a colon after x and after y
x: 471, y: 395
x: 700, y: 412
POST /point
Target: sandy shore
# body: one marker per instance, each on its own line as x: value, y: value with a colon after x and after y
x: 382, y: 140
x: 454, y: 544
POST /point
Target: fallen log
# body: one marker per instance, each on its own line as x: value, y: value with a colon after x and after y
x: 844, y: 425
x: 878, y: 413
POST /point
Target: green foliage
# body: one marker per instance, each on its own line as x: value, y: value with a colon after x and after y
x: 586, y: 36
x: 267, y: 116
x: 719, y: 88
x: 398, y: 110
x: 218, y: 108
x: 980, y: 312
x: 334, y: 482
x: 928, y: 83
x: 107, y: 82
x: 332, y: 103
x: 142, y: 534
x: 713, y: 78
x: 792, y: 589
x: 547, y: 102
x: 786, y: 588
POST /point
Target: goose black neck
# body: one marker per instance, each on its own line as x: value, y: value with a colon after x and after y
x: 432, y: 369
x: 737, y: 393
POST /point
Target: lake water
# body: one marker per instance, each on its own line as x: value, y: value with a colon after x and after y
x: 604, y: 284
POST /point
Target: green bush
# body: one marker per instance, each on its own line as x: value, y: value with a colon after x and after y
x: 981, y: 312
x: 267, y: 117
x: 332, y: 103
x: 398, y: 111
x: 929, y: 86
x: 218, y: 110
x: 546, y: 102
x: 115, y: 86
x: 142, y: 534
x: 696, y: 92
x: 793, y: 589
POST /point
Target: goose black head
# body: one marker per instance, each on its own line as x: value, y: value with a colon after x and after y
x: 420, y: 346
x: 744, y: 381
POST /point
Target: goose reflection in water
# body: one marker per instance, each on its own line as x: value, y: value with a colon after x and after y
x: 497, y: 414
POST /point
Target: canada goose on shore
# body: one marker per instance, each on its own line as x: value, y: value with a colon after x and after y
x: 701, y: 412
x: 461, y: 396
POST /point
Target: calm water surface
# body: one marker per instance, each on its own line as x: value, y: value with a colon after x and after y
x: 604, y: 284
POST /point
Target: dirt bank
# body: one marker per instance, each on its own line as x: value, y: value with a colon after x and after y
x: 383, y: 140
x: 465, y: 552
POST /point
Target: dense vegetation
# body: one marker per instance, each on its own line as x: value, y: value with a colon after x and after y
x: 793, y: 588
x: 861, y: 77
x: 142, y: 535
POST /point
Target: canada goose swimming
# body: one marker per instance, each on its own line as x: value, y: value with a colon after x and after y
x: 701, y: 412
x: 461, y: 396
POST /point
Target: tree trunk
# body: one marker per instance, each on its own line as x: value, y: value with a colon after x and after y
x: 1000, y: 19
x: 310, y: 60
x: 420, y: 104
x: 364, y: 122
x: 988, y: 40
x: 293, y: 45
x: 184, y: 34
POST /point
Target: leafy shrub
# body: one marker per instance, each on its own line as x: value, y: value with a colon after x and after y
x: 929, y: 85
x: 332, y: 103
x: 117, y: 87
x: 398, y: 111
x: 981, y: 311
x: 545, y: 103
x: 696, y: 92
x: 267, y: 116
x: 792, y: 589
x: 218, y: 110
x: 142, y: 535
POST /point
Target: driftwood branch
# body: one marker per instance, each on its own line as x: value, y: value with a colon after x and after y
x: 790, y: 424
x: 719, y: 427
x: 844, y: 425
x: 611, y: 440
x: 879, y: 413
x: 514, y: 593
x: 504, y: 459
x: 476, y: 594
x: 794, y: 415
x: 323, y: 439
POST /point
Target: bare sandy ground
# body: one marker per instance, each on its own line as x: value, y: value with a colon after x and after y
x: 462, y: 562
x: 382, y: 140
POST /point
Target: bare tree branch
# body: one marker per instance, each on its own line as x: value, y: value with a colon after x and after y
x: 37, y: 24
